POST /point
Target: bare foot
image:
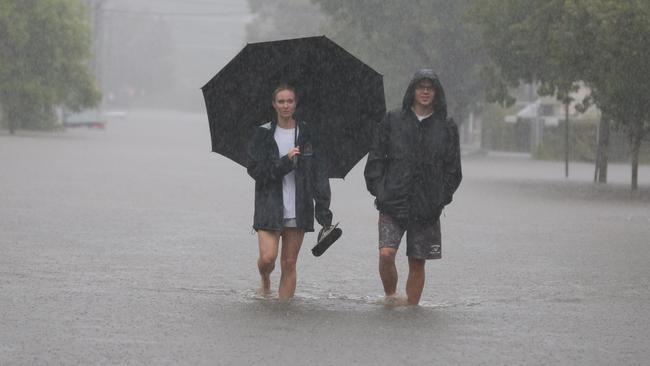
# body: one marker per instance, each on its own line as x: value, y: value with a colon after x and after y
x: 265, y: 286
x: 395, y: 300
x: 264, y: 292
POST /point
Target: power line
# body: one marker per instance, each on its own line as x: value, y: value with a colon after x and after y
x: 185, y: 2
x: 159, y: 13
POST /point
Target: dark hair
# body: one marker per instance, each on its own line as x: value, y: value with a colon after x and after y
x: 282, y: 87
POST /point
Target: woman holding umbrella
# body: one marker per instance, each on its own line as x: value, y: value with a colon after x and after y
x: 289, y: 178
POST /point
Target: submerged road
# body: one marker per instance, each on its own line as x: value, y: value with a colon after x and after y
x: 133, y: 245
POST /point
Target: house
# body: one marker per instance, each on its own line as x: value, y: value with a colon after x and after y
x: 544, y: 112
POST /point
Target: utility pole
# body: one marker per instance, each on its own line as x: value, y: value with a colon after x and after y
x: 600, y: 175
x: 566, y: 139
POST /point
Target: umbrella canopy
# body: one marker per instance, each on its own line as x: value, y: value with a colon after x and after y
x: 338, y: 95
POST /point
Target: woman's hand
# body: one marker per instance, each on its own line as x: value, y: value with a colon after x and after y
x: 293, y: 152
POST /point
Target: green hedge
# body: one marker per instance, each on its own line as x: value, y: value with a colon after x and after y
x: 501, y: 136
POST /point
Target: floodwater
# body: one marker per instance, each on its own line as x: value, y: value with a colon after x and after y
x: 133, y: 245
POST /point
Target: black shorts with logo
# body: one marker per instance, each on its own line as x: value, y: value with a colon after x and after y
x: 423, y: 239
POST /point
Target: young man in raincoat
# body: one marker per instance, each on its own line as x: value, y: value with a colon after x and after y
x: 413, y: 170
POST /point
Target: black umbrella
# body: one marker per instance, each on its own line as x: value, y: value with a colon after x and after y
x: 339, y: 96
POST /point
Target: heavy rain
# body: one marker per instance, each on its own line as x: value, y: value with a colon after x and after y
x: 125, y: 240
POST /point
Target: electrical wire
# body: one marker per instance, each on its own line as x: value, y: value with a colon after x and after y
x: 187, y: 14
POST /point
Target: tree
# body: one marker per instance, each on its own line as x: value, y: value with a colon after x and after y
x: 397, y: 37
x: 603, y: 43
x: 392, y: 36
x: 535, y: 41
x: 619, y: 71
x: 44, y: 56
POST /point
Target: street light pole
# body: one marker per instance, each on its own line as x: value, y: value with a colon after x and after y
x: 566, y: 139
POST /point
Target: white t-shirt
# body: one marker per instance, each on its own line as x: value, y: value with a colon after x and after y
x: 421, y: 118
x: 284, y: 137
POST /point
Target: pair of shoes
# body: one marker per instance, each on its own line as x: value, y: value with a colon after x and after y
x: 326, y: 237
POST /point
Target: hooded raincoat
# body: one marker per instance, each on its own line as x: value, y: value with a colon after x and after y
x: 413, y: 167
x: 267, y: 168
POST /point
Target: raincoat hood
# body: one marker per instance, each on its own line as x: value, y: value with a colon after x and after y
x: 439, y: 101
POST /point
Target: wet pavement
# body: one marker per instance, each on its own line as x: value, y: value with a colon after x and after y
x: 133, y: 245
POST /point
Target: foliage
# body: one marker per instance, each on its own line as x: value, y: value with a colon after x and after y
x: 498, y: 135
x: 533, y: 41
x: 398, y: 37
x: 582, y: 142
x: 44, y: 54
x: 394, y: 37
x: 620, y: 72
x: 621, y: 75
x: 558, y: 43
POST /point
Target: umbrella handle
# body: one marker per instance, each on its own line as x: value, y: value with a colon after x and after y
x: 295, y: 135
x: 295, y: 143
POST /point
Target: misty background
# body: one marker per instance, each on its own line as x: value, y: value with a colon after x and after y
x: 513, y: 82
x: 132, y: 243
x: 159, y: 53
x: 156, y: 54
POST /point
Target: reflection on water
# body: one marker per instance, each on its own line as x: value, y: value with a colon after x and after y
x: 138, y: 235
x: 336, y: 302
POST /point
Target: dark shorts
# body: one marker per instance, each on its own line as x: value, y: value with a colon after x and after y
x: 422, y: 238
x: 289, y: 223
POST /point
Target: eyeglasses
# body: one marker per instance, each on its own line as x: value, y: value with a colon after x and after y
x: 425, y: 88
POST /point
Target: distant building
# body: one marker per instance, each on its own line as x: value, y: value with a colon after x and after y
x: 543, y: 112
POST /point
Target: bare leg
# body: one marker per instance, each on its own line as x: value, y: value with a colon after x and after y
x: 387, y: 270
x: 415, y: 281
x: 291, y: 243
x: 269, y: 242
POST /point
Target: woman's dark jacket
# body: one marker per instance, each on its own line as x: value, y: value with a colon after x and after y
x: 413, y: 167
x: 268, y: 169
